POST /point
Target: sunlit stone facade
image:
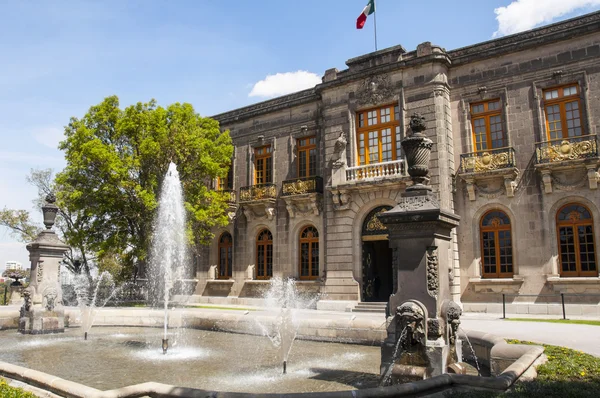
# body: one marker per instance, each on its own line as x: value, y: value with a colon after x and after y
x: 514, y: 123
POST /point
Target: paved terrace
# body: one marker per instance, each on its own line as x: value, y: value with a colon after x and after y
x: 361, y: 328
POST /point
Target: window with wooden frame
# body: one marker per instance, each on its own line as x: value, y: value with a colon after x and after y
x: 378, y: 135
x: 307, y: 156
x: 486, y: 123
x: 562, y: 106
x: 227, y: 182
x: 225, y: 255
x: 264, y: 255
x: 496, y: 245
x: 263, y: 165
x: 309, y: 253
x: 576, y: 249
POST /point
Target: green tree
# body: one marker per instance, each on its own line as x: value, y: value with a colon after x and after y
x: 116, y: 160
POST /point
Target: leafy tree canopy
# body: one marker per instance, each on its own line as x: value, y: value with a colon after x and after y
x: 116, y: 160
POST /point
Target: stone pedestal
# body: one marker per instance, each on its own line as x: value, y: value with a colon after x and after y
x: 422, y: 320
x: 42, y: 310
x: 15, y: 293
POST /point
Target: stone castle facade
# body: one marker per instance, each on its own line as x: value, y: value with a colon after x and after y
x: 515, y: 155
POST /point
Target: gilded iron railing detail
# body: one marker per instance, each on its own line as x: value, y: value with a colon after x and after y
x: 299, y: 186
x: 231, y: 195
x: 487, y: 160
x: 563, y: 149
x: 258, y: 192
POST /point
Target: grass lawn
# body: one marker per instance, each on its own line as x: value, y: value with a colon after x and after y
x: 567, y: 373
x: 575, y: 321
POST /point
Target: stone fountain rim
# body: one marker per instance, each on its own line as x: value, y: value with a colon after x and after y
x: 526, y: 355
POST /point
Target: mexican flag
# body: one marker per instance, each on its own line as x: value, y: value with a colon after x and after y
x: 362, y: 18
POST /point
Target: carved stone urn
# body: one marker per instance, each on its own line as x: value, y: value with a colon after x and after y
x: 417, y: 148
x: 49, y: 210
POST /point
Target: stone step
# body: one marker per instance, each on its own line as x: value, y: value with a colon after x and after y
x: 368, y: 309
x: 376, y: 307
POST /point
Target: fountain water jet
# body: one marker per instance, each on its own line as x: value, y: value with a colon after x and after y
x: 168, y: 253
x: 88, y: 308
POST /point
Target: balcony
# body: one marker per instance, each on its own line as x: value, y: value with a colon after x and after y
x: 489, y: 173
x: 303, y: 195
x: 565, y: 163
x: 258, y: 201
x: 231, y: 196
x: 371, y: 172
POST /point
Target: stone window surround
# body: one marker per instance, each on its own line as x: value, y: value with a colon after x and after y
x: 555, y: 277
x: 483, y: 94
x: 294, y: 239
x: 560, y: 78
x: 213, y: 256
x: 251, y: 158
x: 303, y: 132
x: 354, y: 109
x: 252, y: 240
x: 477, y: 278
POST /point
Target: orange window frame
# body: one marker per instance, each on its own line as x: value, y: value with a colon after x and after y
x: 263, y: 242
x: 574, y: 224
x: 486, y: 115
x: 312, y: 237
x: 362, y: 132
x: 225, y: 242
x: 263, y: 171
x: 495, y: 229
x: 304, y: 146
x: 561, y: 101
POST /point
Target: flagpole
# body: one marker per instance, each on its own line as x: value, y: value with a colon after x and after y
x: 375, y: 23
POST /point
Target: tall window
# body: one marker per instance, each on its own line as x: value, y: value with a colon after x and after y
x: 496, y: 245
x: 309, y: 253
x: 263, y: 165
x: 378, y: 135
x: 227, y: 182
x: 264, y: 255
x: 563, y: 117
x: 307, y: 157
x: 225, y: 255
x: 576, y: 248
x: 486, y: 122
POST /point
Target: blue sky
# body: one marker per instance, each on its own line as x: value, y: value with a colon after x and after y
x: 59, y: 57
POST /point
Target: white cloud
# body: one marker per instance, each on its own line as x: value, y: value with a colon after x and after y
x: 284, y: 83
x: 49, y: 136
x: 522, y: 15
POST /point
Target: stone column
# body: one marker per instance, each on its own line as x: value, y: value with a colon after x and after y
x: 422, y: 319
x: 42, y: 310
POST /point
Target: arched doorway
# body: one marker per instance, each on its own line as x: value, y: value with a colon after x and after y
x: 377, y: 278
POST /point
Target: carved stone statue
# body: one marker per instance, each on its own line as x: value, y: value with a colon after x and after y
x: 411, y: 321
x: 49, y: 301
x: 339, y: 151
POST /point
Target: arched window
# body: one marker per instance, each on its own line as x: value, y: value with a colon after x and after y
x: 576, y: 251
x: 225, y: 255
x: 264, y: 255
x: 309, y: 253
x: 496, y: 245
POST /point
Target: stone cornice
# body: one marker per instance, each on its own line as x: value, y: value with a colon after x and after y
x: 564, y: 30
x: 283, y: 102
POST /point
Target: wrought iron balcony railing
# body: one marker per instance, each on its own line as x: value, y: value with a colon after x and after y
x: 258, y: 192
x: 394, y: 168
x: 562, y: 149
x: 302, y: 185
x: 487, y: 160
x: 231, y: 195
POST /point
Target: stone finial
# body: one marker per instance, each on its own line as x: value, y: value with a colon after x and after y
x: 51, y: 198
x: 417, y: 123
x: 49, y: 210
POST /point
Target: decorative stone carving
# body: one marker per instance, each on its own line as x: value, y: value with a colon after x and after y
x: 49, y: 210
x: 27, y: 301
x: 339, y: 151
x: 49, y: 300
x: 417, y: 148
x: 435, y: 329
x: 566, y: 150
x: 471, y: 188
x: 412, y: 203
x: 39, y: 274
x: 411, y: 319
x: 453, y: 313
x: 341, y: 199
x: 593, y: 176
x: 510, y: 185
x: 375, y: 90
x: 433, y: 284
x: 547, y: 180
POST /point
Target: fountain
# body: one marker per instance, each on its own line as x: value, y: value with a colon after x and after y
x: 89, y: 306
x: 169, y: 244
x: 422, y: 326
x: 42, y: 311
